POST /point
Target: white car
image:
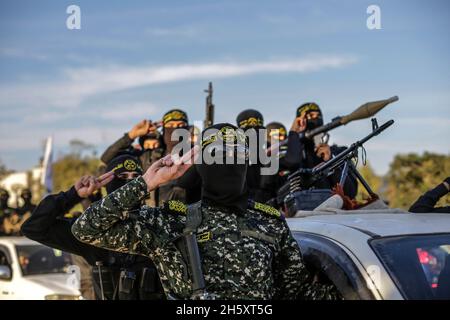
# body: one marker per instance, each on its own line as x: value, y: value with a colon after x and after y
x: 378, y: 254
x: 32, y: 271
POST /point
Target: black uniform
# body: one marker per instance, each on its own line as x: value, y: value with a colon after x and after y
x: 271, y: 184
x: 5, y: 210
x: 27, y: 206
x: 251, y: 119
x: 48, y: 227
x: 427, y: 201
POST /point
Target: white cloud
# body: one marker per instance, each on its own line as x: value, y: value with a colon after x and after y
x: 77, y: 85
x: 181, y: 32
x: 20, y: 53
x: 37, y: 105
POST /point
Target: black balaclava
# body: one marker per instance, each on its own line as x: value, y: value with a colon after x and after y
x: 306, y: 108
x: 275, y: 126
x: 172, y: 115
x: 153, y: 136
x: 250, y: 118
x: 26, y: 196
x: 247, y: 120
x: 147, y: 155
x: 310, y: 157
x: 224, y: 184
x: 4, y: 196
x: 120, y: 164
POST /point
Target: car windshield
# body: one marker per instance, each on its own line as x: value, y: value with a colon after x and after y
x: 38, y: 259
x: 418, y: 264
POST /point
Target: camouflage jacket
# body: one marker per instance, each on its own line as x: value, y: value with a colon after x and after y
x: 249, y: 255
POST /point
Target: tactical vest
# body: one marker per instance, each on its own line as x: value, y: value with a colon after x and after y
x: 125, y: 280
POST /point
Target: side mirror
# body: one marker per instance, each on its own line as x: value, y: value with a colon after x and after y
x: 5, y: 272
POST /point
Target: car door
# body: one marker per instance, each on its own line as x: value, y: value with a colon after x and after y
x: 331, y: 264
x: 6, y: 284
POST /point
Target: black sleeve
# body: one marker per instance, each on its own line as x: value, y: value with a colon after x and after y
x: 191, y: 182
x: 46, y: 225
x: 427, y: 201
x: 294, y: 153
x: 112, y: 151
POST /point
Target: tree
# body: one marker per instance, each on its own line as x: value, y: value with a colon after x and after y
x: 374, y: 181
x: 68, y: 169
x: 411, y: 175
x: 77, y: 147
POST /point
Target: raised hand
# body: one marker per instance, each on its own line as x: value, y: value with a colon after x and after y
x: 140, y: 129
x: 87, y: 185
x: 299, y: 124
x: 323, y: 151
x: 169, y: 168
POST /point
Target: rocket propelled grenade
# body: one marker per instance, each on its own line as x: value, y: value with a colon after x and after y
x: 365, y: 111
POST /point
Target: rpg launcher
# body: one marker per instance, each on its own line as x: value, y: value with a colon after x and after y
x: 365, y: 111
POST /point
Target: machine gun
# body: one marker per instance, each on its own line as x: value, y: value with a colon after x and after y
x: 209, y: 113
x: 304, y: 179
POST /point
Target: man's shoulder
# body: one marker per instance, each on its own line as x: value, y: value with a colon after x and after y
x: 175, y: 207
x: 265, y: 210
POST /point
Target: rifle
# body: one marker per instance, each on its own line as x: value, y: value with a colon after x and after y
x: 209, y: 114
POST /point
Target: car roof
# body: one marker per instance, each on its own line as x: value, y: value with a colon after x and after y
x: 18, y: 241
x: 382, y: 224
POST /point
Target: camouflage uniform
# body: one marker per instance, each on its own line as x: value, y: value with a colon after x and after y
x: 250, y: 255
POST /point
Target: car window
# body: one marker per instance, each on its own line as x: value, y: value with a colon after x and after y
x: 419, y: 264
x: 38, y: 259
x: 4, y: 258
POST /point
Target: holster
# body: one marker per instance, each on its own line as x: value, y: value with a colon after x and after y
x: 126, y: 285
x: 149, y: 285
x: 108, y: 276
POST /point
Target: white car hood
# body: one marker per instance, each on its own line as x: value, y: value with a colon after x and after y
x: 383, y: 224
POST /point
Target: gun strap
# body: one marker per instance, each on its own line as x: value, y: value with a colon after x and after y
x: 193, y: 221
x: 193, y: 218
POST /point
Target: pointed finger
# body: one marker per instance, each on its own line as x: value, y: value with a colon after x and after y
x: 106, y: 175
x: 91, y: 185
x: 105, y: 181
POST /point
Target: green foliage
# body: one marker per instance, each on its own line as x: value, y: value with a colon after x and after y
x: 68, y: 169
x: 374, y: 181
x: 411, y: 175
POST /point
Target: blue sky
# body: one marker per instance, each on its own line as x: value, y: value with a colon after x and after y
x: 136, y: 59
